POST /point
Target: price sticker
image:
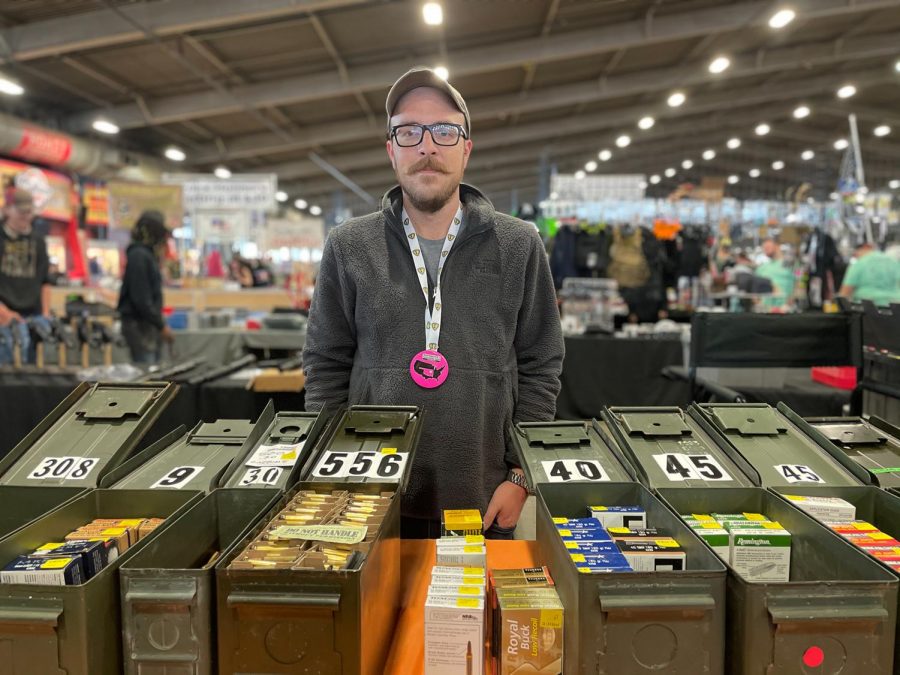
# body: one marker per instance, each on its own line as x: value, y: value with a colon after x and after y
x: 574, y: 470
x: 64, y: 468
x: 261, y: 475
x: 177, y: 478
x: 798, y: 473
x: 364, y: 464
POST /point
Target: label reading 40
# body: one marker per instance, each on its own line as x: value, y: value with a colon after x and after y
x: 365, y: 464
x: 64, y: 468
x: 798, y: 473
x: 177, y: 478
x: 567, y: 470
x: 680, y: 467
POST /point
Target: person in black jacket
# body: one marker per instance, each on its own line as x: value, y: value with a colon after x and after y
x: 140, y: 299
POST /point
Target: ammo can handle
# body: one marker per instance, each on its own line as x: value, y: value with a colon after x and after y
x: 48, y: 614
x: 656, y: 603
x: 802, y: 614
x: 330, y: 601
x: 161, y: 597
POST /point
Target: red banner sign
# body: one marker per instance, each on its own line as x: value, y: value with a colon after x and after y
x: 42, y: 146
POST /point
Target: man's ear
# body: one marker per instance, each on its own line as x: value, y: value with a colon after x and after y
x: 390, y: 151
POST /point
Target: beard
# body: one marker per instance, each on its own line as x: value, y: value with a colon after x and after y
x: 429, y: 198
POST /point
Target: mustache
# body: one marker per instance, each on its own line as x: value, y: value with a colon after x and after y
x: 427, y: 163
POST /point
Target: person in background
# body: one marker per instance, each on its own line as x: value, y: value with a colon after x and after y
x: 140, y: 299
x: 873, y: 275
x: 779, y: 273
x: 24, y: 275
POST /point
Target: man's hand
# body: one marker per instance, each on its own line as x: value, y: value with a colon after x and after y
x: 506, y: 505
x: 7, y: 315
x: 167, y: 335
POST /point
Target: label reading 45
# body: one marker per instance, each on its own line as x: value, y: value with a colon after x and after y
x: 177, y: 478
x: 365, y: 464
x: 680, y: 467
x: 798, y: 473
x: 64, y: 468
x: 261, y: 476
x: 567, y: 470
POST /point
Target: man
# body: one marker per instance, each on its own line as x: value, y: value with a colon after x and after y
x: 873, y: 275
x: 780, y: 274
x: 24, y: 275
x: 490, y: 348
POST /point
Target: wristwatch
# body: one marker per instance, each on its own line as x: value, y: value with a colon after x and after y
x: 518, y: 479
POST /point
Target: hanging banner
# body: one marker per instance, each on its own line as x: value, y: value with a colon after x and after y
x: 51, y: 190
x: 96, y: 204
x: 128, y: 200
x: 301, y: 232
x: 221, y: 226
x: 40, y: 145
x: 205, y: 192
x: 597, y: 187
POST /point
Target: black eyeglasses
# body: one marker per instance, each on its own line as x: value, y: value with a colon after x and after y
x: 442, y: 133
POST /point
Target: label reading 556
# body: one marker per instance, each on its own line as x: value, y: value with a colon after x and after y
x: 567, y: 470
x: 365, y: 464
x: 798, y: 473
x: 64, y: 468
x: 177, y: 478
x: 680, y: 467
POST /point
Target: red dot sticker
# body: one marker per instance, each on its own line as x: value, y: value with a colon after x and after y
x: 813, y: 657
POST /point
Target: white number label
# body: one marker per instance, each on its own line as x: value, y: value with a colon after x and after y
x: 566, y: 470
x: 680, y: 467
x: 798, y: 473
x: 64, y: 468
x: 262, y: 476
x: 177, y: 478
x: 365, y: 464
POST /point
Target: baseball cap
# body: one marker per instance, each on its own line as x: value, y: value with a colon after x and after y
x: 22, y: 199
x: 420, y: 76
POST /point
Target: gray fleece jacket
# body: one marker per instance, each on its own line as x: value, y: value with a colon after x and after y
x: 501, y: 336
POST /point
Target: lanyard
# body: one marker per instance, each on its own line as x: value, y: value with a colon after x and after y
x: 432, y: 318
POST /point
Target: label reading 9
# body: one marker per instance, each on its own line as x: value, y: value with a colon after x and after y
x: 177, y: 478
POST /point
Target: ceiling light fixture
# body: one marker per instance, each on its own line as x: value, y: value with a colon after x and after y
x: 777, y: 165
x: 801, y: 111
x: 646, y: 123
x: 604, y: 155
x: 579, y: 175
x: 677, y: 98
x: 687, y: 164
x: 846, y: 91
x: 894, y: 185
x: 807, y: 155
x: 10, y: 87
x: 734, y: 180
x: 719, y: 65
x: 590, y: 166
x: 753, y: 173
x: 315, y: 210
x: 709, y: 154
x: 222, y: 172
x: 433, y: 13
x: 654, y: 179
x: 762, y: 129
x: 841, y: 144
x: 734, y: 143
x: 882, y: 130
x: 105, y: 127
x: 670, y: 173
x: 782, y: 18
x: 175, y: 154
x: 623, y: 141
x: 281, y: 196
x: 301, y: 203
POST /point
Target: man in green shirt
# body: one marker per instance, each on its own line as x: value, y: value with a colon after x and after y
x: 781, y: 276
x: 873, y: 275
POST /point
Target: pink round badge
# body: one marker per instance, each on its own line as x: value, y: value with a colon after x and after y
x: 429, y: 369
